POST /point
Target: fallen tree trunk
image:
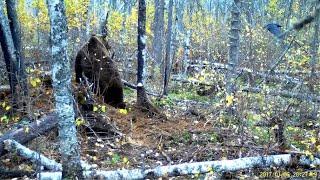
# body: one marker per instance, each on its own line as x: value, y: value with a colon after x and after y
x: 195, y: 168
x: 4, y: 91
x: 5, y: 88
x: 283, y: 93
x: 286, y: 94
x: 37, y: 128
x: 46, y: 124
x: 37, y: 158
x: 276, y: 77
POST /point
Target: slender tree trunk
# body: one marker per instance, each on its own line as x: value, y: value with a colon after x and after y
x: 248, y: 9
x: 178, y: 35
x: 225, y: 10
x: 234, y: 38
x: 123, y: 31
x: 101, y: 13
x: 128, y: 6
x: 90, y: 12
x: 174, y: 46
x: 187, y: 44
x: 113, y: 4
x: 16, y: 37
x: 141, y: 94
x: 8, y: 50
x: 180, y: 12
x: 158, y: 31
x: 217, y: 9
x: 288, y: 14
x: 142, y: 99
x: 314, y: 78
x: 61, y: 78
x: 315, y: 46
x: 186, y: 52
x: 167, y: 61
x: 104, y: 26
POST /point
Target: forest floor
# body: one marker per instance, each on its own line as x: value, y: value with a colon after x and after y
x: 146, y: 142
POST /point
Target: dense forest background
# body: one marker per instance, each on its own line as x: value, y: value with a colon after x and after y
x: 231, y: 79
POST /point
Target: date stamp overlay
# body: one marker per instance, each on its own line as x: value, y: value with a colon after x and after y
x: 287, y: 174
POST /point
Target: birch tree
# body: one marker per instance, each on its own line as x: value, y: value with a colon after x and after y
x: 142, y: 99
x: 61, y: 78
x: 141, y: 94
x: 234, y: 38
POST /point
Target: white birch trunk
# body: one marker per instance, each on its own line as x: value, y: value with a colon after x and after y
x: 196, y: 168
x: 61, y: 78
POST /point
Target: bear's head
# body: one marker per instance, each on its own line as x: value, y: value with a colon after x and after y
x: 98, y: 41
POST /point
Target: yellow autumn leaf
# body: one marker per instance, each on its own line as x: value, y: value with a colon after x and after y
x: 8, y: 108
x: 210, y: 170
x: 28, y: 69
x: 308, y: 153
x: 27, y: 129
x: 33, y: 83
x: 123, y: 111
x: 318, y: 148
x: 313, y: 140
x: 103, y: 108
x: 125, y: 160
x: 38, y: 80
x: 94, y: 158
x: 3, y: 104
x: 201, y: 78
x: 196, y: 175
x: 229, y: 100
x: 4, y: 118
x: 79, y: 121
x: 15, y: 118
x: 95, y: 108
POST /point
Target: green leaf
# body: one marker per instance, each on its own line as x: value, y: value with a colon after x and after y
x: 115, y: 159
x: 4, y: 118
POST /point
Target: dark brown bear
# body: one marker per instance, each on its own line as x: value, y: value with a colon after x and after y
x: 93, y: 61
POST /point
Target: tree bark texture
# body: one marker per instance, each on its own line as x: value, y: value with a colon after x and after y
x: 142, y: 99
x: 198, y: 168
x: 8, y: 50
x: 61, y: 78
x: 37, y: 128
x: 234, y: 39
x: 141, y: 94
x: 158, y: 30
x: 16, y: 37
x: 315, y: 45
x: 141, y: 51
x: 167, y: 61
